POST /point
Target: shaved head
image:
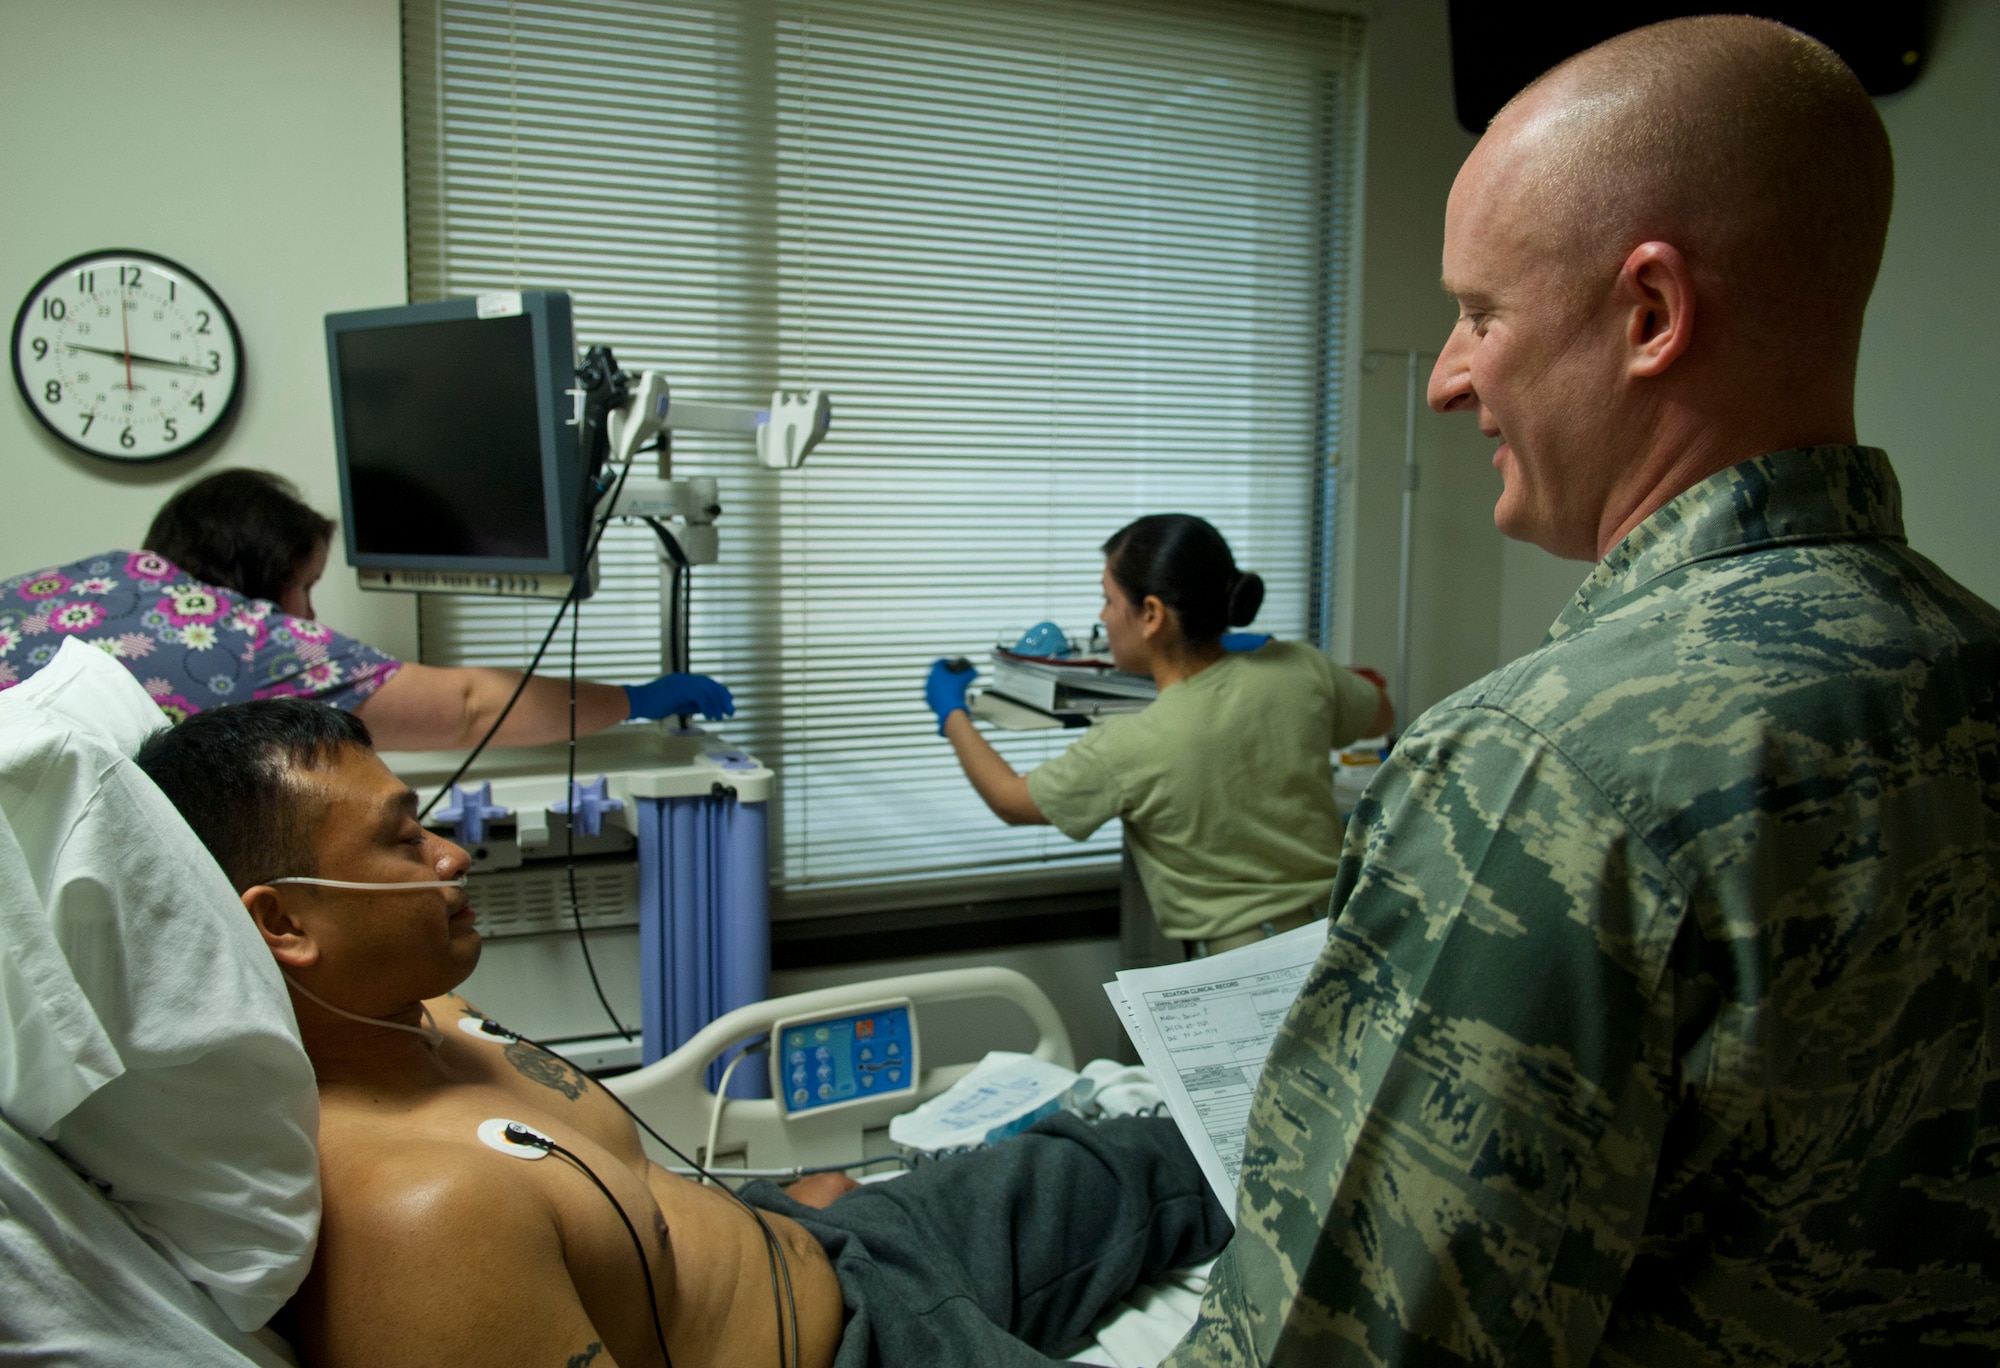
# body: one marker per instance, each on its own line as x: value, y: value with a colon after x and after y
x: 1747, y: 145
x: 1662, y: 252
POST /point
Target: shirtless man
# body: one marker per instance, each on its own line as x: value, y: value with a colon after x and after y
x: 436, y: 1248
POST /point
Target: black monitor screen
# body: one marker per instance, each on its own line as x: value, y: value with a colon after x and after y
x: 444, y: 445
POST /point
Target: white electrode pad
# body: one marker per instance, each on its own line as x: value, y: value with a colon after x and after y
x: 494, y: 1133
x: 486, y: 1030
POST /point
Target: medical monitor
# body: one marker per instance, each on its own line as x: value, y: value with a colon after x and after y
x: 459, y: 467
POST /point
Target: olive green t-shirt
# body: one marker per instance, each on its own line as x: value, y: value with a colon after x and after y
x: 1225, y: 785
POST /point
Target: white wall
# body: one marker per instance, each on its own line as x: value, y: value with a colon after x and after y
x: 1931, y: 352
x: 257, y: 142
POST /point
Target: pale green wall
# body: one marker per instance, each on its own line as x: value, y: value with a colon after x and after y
x: 257, y: 142
x: 1414, y: 149
x: 1930, y: 358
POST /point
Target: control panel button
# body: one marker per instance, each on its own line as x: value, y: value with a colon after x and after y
x: 837, y: 1060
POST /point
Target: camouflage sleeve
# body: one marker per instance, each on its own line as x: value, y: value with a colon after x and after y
x: 1455, y: 1135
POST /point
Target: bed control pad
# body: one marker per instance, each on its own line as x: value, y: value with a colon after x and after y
x: 831, y: 1061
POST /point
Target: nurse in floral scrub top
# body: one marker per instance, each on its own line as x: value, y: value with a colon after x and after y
x: 218, y: 609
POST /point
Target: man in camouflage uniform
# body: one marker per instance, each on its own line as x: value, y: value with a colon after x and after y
x: 1656, y: 1022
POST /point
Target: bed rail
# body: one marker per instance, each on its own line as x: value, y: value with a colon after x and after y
x: 674, y: 1097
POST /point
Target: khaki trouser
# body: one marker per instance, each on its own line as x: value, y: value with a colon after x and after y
x: 1264, y: 930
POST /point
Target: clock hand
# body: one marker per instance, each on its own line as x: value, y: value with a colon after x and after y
x: 125, y: 323
x: 142, y: 360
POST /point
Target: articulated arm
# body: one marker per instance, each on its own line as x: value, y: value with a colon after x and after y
x: 786, y: 431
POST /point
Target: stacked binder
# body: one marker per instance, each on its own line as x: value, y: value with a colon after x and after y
x: 1073, y: 687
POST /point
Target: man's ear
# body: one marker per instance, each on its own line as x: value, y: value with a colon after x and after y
x: 290, y: 942
x: 1656, y: 288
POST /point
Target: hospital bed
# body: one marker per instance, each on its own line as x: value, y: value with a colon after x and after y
x: 762, y: 1136
x: 88, y: 1276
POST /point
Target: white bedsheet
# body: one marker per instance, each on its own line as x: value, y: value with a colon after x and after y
x: 144, y: 1029
x: 79, y: 1285
x: 1150, y: 1323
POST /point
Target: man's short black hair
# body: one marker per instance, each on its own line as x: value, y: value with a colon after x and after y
x: 229, y: 771
x: 242, y: 530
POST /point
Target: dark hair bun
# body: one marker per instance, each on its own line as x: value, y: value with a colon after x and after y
x: 1246, y: 596
x: 1184, y: 562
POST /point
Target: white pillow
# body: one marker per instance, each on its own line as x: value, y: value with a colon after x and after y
x: 144, y: 1029
x: 81, y: 1287
x: 84, y: 685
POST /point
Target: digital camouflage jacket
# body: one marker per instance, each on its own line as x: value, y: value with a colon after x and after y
x: 1656, y: 1022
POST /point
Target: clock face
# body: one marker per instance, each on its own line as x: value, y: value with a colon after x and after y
x: 126, y: 355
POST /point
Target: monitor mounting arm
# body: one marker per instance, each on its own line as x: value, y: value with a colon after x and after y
x: 785, y: 432
x: 620, y: 411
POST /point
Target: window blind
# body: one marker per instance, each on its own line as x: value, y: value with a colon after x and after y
x: 1059, y: 263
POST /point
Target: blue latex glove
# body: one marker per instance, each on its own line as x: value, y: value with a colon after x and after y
x: 945, y: 689
x: 1244, y: 641
x: 672, y: 695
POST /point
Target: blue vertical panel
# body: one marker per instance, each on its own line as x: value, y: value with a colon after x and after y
x: 652, y: 938
x: 704, y: 922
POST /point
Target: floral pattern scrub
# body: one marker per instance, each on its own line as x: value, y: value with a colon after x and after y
x: 192, y: 645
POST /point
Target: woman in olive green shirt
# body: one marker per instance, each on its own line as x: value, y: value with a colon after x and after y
x: 1225, y: 781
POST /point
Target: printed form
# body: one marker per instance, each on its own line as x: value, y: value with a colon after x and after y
x: 1203, y: 1028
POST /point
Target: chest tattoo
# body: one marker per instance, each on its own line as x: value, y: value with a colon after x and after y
x: 590, y: 1351
x: 547, y: 1070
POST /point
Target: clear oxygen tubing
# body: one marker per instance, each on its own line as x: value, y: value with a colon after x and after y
x: 459, y: 882
x: 428, y: 1031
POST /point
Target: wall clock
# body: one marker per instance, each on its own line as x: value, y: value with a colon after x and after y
x: 127, y: 355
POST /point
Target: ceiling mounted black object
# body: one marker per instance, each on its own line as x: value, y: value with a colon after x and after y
x: 1497, y: 48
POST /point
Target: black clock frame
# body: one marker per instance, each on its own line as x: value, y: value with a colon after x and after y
x: 229, y: 405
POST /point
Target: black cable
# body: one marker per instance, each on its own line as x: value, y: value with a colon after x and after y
x: 772, y: 1246
x: 512, y: 698
x: 687, y: 625
x: 569, y: 831
x: 570, y: 600
x: 791, y: 1307
x: 569, y: 847
x: 521, y: 1135
x: 680, y: 601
